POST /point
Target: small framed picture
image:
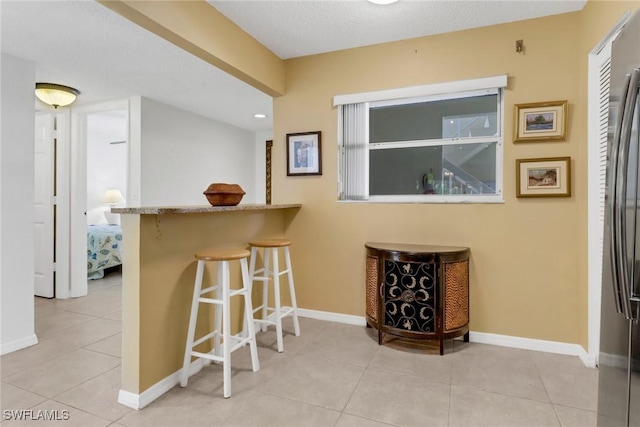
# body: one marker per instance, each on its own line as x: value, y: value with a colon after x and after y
x: 541, y: 121
x: 546, y: 177
x: 304, y: 153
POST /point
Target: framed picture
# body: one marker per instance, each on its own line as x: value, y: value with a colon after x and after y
x: 541, y: 121
x: 304, y: 154
x: 547, y: 177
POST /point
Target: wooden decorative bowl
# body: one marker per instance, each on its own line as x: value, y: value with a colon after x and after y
x: 220, y: 194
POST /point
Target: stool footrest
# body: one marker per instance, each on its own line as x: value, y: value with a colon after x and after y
x: 269, y: 274
x: 209, y: 289
x: 206, y: 337
x: 266, y: 322
x: 208, y: 356
x: 219, y: 301
x: 239, y: 342
x: 284, y: 311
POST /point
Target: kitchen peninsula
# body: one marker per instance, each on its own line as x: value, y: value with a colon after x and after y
x: 159, y: 267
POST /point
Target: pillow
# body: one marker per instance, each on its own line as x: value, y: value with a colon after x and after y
x: 96, y: 217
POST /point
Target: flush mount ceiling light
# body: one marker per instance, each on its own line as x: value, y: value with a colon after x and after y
x: 260, y: 116
x: 56, y: 95
x: 382, y: 1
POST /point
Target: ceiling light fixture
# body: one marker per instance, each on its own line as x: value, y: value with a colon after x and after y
x: 260, y: 116
x: 383, y: 2
x: 56, y: 95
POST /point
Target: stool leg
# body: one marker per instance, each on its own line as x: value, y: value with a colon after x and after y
x: 276, y: 295
x: 217, y: 319
x: 265, y: 289
x: 292, y: 292
x: 252, y: 271
x: 184, y: 375
x: 248, y: 312
x: 226, y: 327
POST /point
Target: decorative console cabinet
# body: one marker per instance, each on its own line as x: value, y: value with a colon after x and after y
x: 418, y: 292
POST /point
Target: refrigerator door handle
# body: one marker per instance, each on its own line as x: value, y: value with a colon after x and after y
x: 624, y: 274
x: 613, y: 205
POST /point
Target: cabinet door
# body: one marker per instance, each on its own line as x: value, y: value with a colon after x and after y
x: 410, y: 296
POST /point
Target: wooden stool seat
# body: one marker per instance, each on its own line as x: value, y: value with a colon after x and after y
x: 270, y: 243
x: 225, y: 254
x: 270, y: 273
x: 223, y: 342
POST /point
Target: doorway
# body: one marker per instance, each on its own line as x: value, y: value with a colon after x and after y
x: 99, y: 163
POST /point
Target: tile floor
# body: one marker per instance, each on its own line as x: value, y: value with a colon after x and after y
x: 332, y: 375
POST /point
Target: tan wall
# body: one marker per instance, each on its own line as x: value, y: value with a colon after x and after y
x: 528, y: 265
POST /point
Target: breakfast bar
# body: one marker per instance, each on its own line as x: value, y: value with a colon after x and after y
x: 159, y: 267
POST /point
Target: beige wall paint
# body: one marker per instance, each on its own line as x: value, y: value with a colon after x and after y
x: 528, y: 256
x: 131, y: 304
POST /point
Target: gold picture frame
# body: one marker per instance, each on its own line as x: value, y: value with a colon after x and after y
x: 540, y: 121
x: 543, y: 177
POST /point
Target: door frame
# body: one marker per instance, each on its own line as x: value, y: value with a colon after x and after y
x: 595, y: 225
x: 78, y: 183
x: 44, y: 206
x: 63, y: 157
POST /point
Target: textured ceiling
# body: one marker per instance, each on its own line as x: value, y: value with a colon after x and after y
x: 87, y: 46
x: 305, y: 27
x: 82, y: 44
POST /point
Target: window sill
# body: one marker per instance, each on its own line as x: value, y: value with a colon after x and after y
x: 419, y: 199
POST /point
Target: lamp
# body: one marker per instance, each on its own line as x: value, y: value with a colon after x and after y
x: 56, y: 95
x: 112, y: 197
x: 383, y: 2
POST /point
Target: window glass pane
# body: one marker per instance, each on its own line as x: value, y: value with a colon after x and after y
x: 442, y: 169
x: 449, y: 118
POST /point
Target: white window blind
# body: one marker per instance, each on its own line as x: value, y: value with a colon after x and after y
x: 354, y: 155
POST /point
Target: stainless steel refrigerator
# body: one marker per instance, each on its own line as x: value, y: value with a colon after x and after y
x: 619, y: 358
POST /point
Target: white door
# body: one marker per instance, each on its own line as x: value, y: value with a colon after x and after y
x: 44, y: 206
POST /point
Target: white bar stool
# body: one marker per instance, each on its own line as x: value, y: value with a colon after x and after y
x: 270, y: 250
x: 221, y: 351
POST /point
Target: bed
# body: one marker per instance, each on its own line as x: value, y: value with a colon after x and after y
x: 104, y: 249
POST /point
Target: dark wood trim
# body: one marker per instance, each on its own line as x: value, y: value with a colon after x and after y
x: 268, y: 172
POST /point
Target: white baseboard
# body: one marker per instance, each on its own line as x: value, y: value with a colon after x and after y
x: 139, y: 401
x: 19, y: 344
x: 332, y: 317
x: 533, y: 344
x: 478, y: 337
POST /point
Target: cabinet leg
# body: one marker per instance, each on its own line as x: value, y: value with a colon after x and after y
x: 368, y: 325
x: 441, y: 346
x: 379, y: 337
x: 465, y: 338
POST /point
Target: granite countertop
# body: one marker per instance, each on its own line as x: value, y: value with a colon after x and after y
x: 160, y: 210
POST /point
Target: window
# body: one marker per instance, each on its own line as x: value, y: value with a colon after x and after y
x: 443, y: 147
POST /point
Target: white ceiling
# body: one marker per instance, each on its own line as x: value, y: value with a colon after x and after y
x: 293, y: 28
x: 82, y: 44
x: 87, y: 46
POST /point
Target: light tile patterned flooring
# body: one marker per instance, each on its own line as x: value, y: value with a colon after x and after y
x: 332, y: 375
